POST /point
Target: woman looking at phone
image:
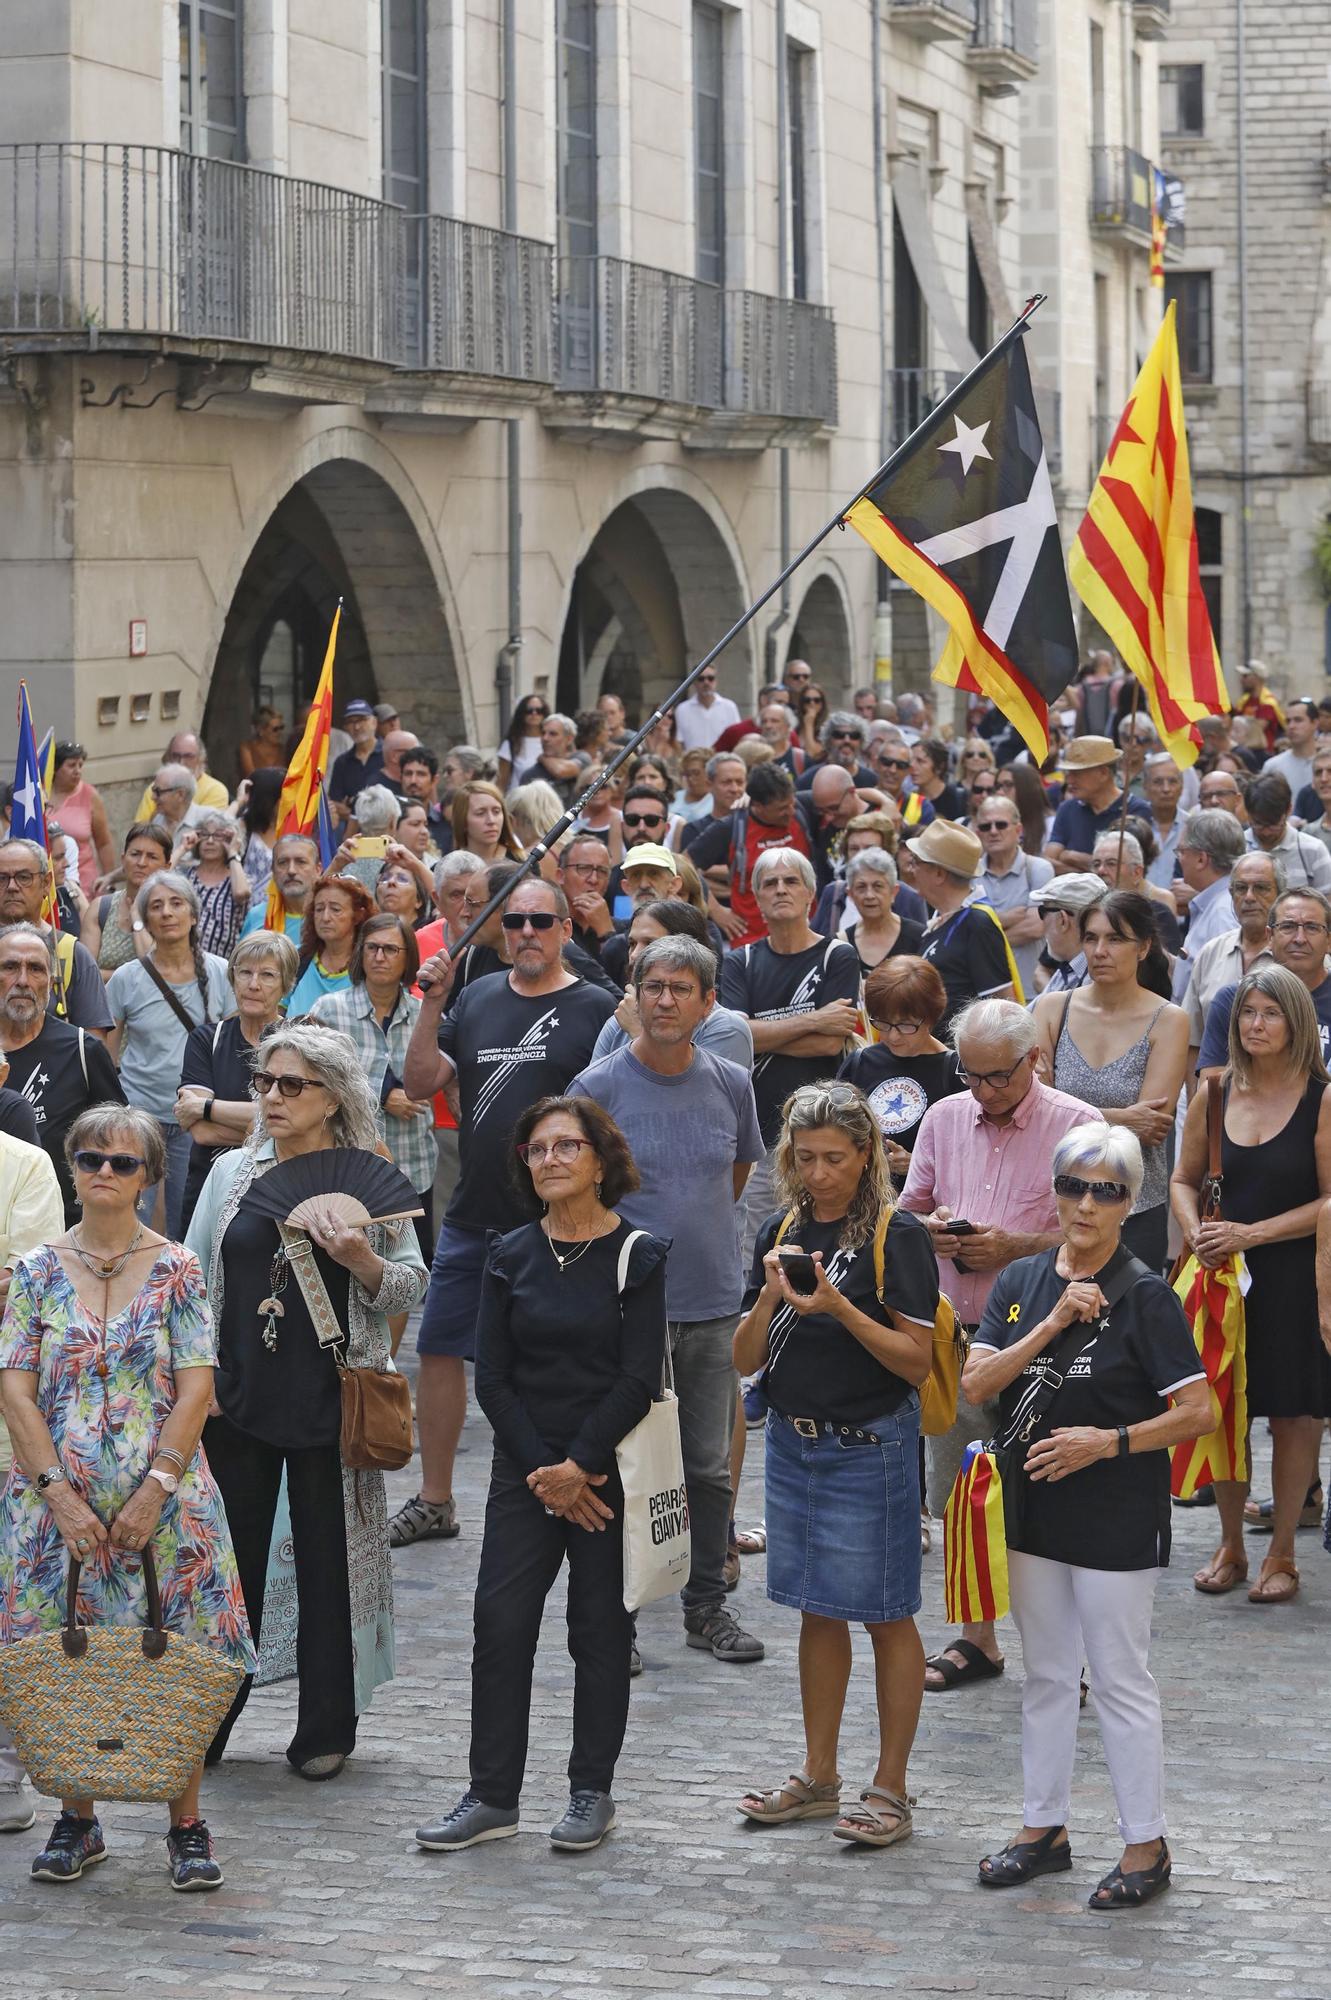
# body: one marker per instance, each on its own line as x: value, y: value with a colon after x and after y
x: 844, y: 1357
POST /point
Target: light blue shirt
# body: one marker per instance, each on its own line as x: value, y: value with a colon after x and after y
x: 291, y: 922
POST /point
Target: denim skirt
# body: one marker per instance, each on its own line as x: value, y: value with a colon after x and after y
x: 843, y: 1519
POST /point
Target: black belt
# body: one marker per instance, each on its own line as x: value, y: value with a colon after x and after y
x: 815, y: 1427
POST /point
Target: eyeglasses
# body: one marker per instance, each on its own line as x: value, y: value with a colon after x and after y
x: 992, y: 825
x: 24, y: 877
x: 993, y: 1079
x: 707, y: 680
x: 1283, y: 929
x: 894, y: 763
x: 122, y: 1165
x: 535, y: 1152
x: 165, y: 791
x: 287, y: 1086
x: 898, y: 1027
x: 383, y: 950
x: 537, y: 708
x: 810, y: 700
x: 540, y: 920
x: 844, y: 736
x: 1069, y: 1187
x: 596, y: 868
x: 656, y: 989
x: 644, y: 819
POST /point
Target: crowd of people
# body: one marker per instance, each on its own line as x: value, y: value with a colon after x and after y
x: 815, y: 1027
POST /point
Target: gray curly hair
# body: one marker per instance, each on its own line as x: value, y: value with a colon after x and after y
x: 331, y: 1057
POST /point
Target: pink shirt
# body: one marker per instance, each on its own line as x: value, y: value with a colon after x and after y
x: 986, y: 1173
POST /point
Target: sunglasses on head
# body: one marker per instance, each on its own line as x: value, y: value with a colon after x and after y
x: 1104, y: 1193
x: 540, y: 920
x: 121, y: 1164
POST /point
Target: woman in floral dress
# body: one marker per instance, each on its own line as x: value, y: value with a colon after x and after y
x: 106, y: 1375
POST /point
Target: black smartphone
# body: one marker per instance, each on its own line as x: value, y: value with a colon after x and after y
x: 800, y: 1269
x: 959, y: 1228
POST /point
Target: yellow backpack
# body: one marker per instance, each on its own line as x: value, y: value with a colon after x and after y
x: 939, y: 1390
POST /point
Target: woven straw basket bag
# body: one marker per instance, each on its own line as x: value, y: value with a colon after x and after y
x: 109, y: 1712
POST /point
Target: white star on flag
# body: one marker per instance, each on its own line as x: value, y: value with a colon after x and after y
x: 968, y: 443
x: 27, y: 798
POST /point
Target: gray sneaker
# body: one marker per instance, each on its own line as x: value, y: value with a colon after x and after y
x: 718, y: 1632
x: 17, y: 1812
x: 422, y: 1521
x: 469, y: 1821
x: 588, y: 1820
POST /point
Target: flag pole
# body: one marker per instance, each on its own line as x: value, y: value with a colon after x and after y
x: 927, y: 425
x: 1123, y: 815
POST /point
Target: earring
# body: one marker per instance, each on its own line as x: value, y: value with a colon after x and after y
x: 597, y: 1189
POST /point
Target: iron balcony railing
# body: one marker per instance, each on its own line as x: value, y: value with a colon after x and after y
x: 1121, y: 181
x: 144, y: 239
x: 780, y: 357
x: 935, y: 19
x: 1007, y: 24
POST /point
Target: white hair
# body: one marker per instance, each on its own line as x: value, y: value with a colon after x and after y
x: 871, y: 861
x: 459, y: 862
x: 376, y: 810
x: 1000, y: 1021
x: 783, y: 857
x: 1099, y: 1144
x: 1132, y: 847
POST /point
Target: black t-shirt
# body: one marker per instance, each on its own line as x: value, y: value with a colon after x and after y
x: 508, y: 1050
x: 1114, y: 1513
x: 49, y: 1075
x: 909, y: 939
x: 16, y: 1117
x: 217, y: 1058
x: 967, y: 952
x: 815, y: 1368
x: 770, y: 985
x: 349, y: 776
x: 288, y: 1396
x: 900, y: 1089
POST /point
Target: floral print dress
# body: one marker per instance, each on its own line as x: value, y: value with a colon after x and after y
x: 105, y: 1392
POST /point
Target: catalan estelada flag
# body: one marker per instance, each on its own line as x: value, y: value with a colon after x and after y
x: 1157, y: 227
x: 1213, y: 1302
x: 975, y: 1582
x: 302, y: 788
x: 27, y: 813
x: 967, y: 519
x: 1134, y: 559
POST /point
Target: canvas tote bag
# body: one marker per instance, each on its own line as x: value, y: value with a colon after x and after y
x: 657, y: 1546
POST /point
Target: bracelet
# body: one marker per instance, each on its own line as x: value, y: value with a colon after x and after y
x: 1124, y: 1443
x: 165, y: 1451
x: 207, y: 1111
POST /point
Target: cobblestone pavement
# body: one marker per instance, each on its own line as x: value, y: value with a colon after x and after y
x: 326, y: 1892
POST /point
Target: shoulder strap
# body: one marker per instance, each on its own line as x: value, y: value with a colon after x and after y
x: 1215, y: 1126
x: 64, y: 971
x: 1063, y: 1018
x: 1036, y: 1402
x: 625, y: 1252
x: 83, y: 1056
x: 785, y: 1223
x: 1014, y: 974
x: 879, y: 1249
x: 172, y: 998
x: 217, y: 1031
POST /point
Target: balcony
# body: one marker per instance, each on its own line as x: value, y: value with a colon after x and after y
x: 313, y: 293
x: 1150, y: 19
x: 1121, y: 182
x: 934, y: 20
x: 1003, y: 50
x: 645, y: 353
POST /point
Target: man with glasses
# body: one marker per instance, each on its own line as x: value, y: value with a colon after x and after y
x: 508, y: 1039
x: 1223, y: 791
x: 57, y: 1068
x: 890, y: 757
x: 795, y: 678
x: 171, y: 799
x: 1303, y: 856
x: 76, y: 992
x: 1009, y: 878
x: 185, y: 748
x: 843, y: 737
x: 1299, y: 925
x: 1253, y: 888
x: 979, y: 1175
x: 700, y: 719
x: 584, y: 872
x: 678, y: 1104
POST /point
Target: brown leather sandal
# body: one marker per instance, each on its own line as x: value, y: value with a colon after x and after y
x: 1222, y: 1574
x: 1276, y: 1571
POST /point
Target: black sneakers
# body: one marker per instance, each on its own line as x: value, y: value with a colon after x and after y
x: 74, y: 1845
x: 189, y: 1850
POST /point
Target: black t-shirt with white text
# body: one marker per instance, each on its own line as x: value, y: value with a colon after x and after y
x: 1114, y: 1513
x: 772, y: 985
x: 48, y: 1074
x: 508, y: 1051
x: 967, y: 951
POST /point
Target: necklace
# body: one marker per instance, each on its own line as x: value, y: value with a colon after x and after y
x: 97, y: 1265
x: 571, y: 1256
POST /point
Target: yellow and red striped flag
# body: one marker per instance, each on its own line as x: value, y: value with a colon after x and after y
x: 975, y: 1582
x: 1133, y: 561
x: 1213, y: 1302
x: 298, y: 807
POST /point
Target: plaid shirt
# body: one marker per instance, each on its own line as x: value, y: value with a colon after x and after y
x: 409, y: 1140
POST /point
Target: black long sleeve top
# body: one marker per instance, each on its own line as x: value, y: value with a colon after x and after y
x: 565, y: 1364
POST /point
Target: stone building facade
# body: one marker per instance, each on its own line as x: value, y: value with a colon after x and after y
x: 1270, y: 598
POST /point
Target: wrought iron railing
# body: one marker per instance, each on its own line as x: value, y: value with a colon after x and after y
x: 964, y: 9
x: 1007, y: 24
x: 484, y: 300
x: 632, y: 330
x: 780, y: 357
x: 1121, y: 181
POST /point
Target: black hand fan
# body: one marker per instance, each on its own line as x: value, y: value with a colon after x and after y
x: 355, y: 1186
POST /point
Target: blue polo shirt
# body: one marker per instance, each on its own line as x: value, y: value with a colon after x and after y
x: 1077, y: 827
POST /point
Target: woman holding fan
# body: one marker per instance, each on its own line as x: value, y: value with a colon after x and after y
x: 278, y: 1399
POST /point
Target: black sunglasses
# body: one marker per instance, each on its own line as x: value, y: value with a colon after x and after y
x: 644, y: 819
x: 121, y: 1164
x: 540, y: 920
x: 1104, y: 1193
x: 287, y: 1086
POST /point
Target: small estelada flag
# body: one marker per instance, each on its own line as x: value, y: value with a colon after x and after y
x: 1213, y: 1302
x: 975, y: 1575
x: 967, y: 519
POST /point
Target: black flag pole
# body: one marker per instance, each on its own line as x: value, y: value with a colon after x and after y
x: 937, y: 416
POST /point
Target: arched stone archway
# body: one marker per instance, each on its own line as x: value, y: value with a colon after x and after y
x: 821, y: 635
x: 339, y: 531
x: 656, y: 588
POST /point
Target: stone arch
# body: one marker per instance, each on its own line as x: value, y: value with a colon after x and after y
x: 344, y: 523
x: 821, y: 634
x: 656, y: 583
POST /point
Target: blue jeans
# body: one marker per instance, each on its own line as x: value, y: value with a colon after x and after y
x: 705, y: 1385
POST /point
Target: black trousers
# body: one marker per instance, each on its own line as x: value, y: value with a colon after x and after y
x: 249, y: 1474
x: 522, y: 1553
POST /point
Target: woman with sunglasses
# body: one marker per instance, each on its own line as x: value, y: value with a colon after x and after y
x: 570, y: 1349
x: 813, y: 713
x: 522, y: 746
x: 1087, y: 1504
x: 277, y: 1408
x: 106, y: 1371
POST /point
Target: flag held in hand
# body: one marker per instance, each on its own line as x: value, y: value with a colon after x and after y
x: 975, y: 1579
x: 1213, y: 1302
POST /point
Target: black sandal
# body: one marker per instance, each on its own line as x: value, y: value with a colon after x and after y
x: 1020, y: 1860
x: 1129, y: 1892
x: 978, y: 1667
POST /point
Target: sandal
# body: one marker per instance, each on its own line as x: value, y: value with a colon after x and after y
x: 798, y: 1798
x: 1020, y: 1860
x: 751, y: 1541
x: 1222, y: 1574
x: 1128, y: 1892
x: 877, y: 1825
x: 978, y: 1667
x: 1259, y: 1515
x: 1277, y: 1571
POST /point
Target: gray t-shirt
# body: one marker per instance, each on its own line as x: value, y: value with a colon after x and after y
x: 686, y: 1133
x: 152, y: 1048
x: 723, y: 1033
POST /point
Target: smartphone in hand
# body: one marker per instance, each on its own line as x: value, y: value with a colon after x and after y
x: 800, y: 1269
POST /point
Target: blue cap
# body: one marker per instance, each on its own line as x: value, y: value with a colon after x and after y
x: 357, y: 708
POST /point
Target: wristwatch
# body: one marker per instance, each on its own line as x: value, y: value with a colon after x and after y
x: 51, y: 1477
x: 166, y: 1480
x: 1124, y: 1445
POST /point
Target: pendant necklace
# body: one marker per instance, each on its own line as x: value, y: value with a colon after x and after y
x: 570, y: 1256
x: 100, y: 1268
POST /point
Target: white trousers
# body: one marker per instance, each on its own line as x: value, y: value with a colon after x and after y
x: 1066, y: 1615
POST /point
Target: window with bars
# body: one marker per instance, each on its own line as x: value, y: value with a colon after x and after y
x: 212, y: 102
x: 575, y: 31
x: 405, y: 176
x: 1191, y: 292
x: 709, y: 185
x: 798, y: 64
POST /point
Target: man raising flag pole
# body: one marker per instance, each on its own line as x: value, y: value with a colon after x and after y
x: 298, y: 808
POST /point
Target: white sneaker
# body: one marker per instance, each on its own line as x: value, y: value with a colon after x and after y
x: 16, y: 1815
